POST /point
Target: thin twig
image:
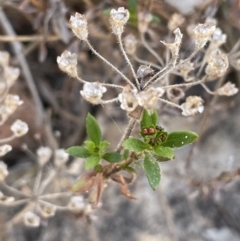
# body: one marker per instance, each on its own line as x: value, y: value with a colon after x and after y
x: 29, y: 38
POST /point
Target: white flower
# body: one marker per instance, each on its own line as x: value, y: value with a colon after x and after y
x: 193, y: 105
x: 217, y: 64
x: 44, y: 154
x: 78, y: 24
x: 76, y: 204
x: 218, y: 38
x: 3, y: 171
x: 48, y: 211
x: 5, y: 199
x: 4, y: 149
x: 128, y: 99
x: 228, y: 89
x: 31, y: 219
x: 61, y: 156
x: 67, y: 62
x: 93, y: 92
x: 19, y: 128
x: 118, y: 18
x: 202, y: 33
x: 148, y: 99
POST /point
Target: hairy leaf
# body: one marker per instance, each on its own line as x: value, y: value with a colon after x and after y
x: 90, y: 145
x: 135, y: 144
x: 103, y: 145
x: 180, y: 138
x: 93, y: 130
x: 149, y: 120
x: 164, y: 151
x: 78, y: 151
x: 91, y: 162
x: 112, y: 156
x: 152, y: 170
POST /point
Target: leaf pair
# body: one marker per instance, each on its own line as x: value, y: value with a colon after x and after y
x: 94, y: 149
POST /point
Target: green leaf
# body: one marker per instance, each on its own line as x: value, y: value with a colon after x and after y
x: 180, y: 138
x: 103, y: 145
x: 126, y: 154
x: 132, y: 6
x: 112, y: 156
x: 156, y: 19
x: 78, y: 151
x: 135, y: 144
x: 90, y: 145
x: 152, y: 170
x: 93, y: 130
x: 149, y: 120
x: 164, y: 151
x: 91, y: 162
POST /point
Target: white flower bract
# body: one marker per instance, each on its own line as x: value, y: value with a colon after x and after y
x: 78, y: 24
x: 44, y: 154
x: 31, y: 219
x: 193, y: 105
x: 19, y: 128
x: 4, y: 149
x: 93, y: 92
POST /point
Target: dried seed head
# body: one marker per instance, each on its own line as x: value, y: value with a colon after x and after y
x: 3, y: 171
x: 130, y: 43
x: 67, y: 62
x: 31, y: 219
x: 144, y: 19
x: 12, y: 102
x: 61, y: 157
x: 217, y: 64
x: 78, y: 24
x: 174, y: 47
x: 4, y: 149
x: 118, y: 18
x: 185, y: 68
x: 76, y: 204
x: 218, y: 38
x: 128, y: 99
x: 175, y: 21
x: 148, y: 99
x: 202, y: 33
x: 93, y: 92
x: 175, y: 94
x: 144, y: 71
x: 193, y: 105
x: 228, y: 89
x: 5, y: 199
x: 211, y: 21
x: 44, y: 154
x: 19, y: 128
x: 4, y: 58
x: 48, y: 211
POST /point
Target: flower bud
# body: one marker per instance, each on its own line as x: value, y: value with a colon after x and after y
x: 61, y: 157
x: 118, y: 18
x: 78, y: 24
x: 144, y: 19
x: 93, y: 92
x: 130, y: 43
x: 193, y: 105
x: 44, y: 154
x: 19, y: 128
x: 3, y: 171
x: 76, y: 204
x: 67, y: 62
x: 4, y: 149
x: 31, y: 219
x: 48, y: 211
x: 228, y: 89
x: 175, y: 21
